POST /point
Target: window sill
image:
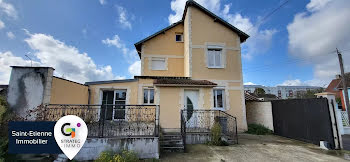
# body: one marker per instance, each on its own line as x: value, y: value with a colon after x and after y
x: 179, y: 41
x: 159, y: 69
x: 216, y: 67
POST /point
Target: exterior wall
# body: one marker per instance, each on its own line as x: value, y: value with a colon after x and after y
x: 204, y: 32
x: 29, y: 87
x: 175, y: 66
x: 67, y: 92
x: 260, y: 113
x: 164, y: 45
x: 144, y: 147
x: 187, y: 43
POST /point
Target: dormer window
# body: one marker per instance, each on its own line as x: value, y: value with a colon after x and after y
x: 179, y: 37
x: 214, y: 57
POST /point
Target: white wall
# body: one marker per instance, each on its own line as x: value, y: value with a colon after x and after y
x: 260, y: 113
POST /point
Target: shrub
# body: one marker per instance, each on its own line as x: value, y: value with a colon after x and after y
x: 124, y: 156
x: 216, y: 133
x: 105, y: 156
x: 258, y: 129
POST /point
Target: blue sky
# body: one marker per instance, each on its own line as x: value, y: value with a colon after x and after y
x: 93, y: 40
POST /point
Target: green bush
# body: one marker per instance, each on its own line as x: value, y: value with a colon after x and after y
x: 216, y: 134
x: 3, y: 126
x: 258, y: 129
x: 124, y: 156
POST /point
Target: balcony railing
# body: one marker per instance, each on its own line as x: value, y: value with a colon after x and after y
x: 109, y: 120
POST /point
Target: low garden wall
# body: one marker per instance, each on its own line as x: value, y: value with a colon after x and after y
x: 144, y: 147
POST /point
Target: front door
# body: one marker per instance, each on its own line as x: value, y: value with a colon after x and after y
x: 191, y: 103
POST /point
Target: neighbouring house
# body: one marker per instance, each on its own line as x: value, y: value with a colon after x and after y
x: 282, y: 92
x: 191, y: 77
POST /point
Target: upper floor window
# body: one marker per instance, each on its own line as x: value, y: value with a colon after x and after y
x: 219, y: 95
x: 179, y: 37
x: 158, y: 63
x: 148, y: 96
x: 214, y: 57
x: 290, y: 93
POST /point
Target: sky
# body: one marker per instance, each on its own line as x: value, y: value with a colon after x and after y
x: 94, y: 40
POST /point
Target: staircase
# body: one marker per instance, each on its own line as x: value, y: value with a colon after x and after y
x: 171, y: 141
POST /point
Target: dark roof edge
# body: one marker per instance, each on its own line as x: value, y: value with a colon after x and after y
x: 69, y: 80
x: 110, y: 81
x: 225, y: 23
x: 32, y: 67
x: 160, y: 77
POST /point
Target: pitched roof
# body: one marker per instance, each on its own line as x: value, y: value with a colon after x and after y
x: 183, y: 82
x: 243, y: 36
x: 333, y: 86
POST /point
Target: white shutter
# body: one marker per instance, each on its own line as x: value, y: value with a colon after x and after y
x: 158, y: 64
x: 218, y: 58
x: 211, y: 57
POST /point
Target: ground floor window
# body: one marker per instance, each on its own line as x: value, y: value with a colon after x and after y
x: 148, y: 96
x: 219, y: 96
x: 113, y: 104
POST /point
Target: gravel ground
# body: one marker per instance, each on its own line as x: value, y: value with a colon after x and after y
x: 257, y: 148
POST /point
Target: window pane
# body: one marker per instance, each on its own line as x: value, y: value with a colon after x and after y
x: 220, y: 99
x: 217, y: 58
x: 214, y: 98
x: 120, y: 94
x: 151, y: 96
x: 178, y: 38
x: 119, y: 110
x: 145, y: 96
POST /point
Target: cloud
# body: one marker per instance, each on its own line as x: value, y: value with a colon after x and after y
x: 249, y: 83
x: 10, y: 35
x: 259, y: 40
x: 129, y: 54
x: 123, y: 18
x: 102, y: 2
x: 8, y: 9
x: 316, y: 5
x: 7, y: 59
x: 317, y: 32
x: 295, y: 82
x: 67, y: 60
x: 2, y: 25
x: 135, y: 68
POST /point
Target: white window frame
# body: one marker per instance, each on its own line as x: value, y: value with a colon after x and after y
x: 216, y: 99
x: 215, y: 47
x: 148, y: 98
x: 159, y: 59
x: 114, y: 103
x: 182, y: 37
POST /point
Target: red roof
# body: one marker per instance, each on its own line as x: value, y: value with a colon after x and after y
x: 333, y: 87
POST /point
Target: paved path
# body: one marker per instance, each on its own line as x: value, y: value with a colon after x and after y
x: 257, y: 148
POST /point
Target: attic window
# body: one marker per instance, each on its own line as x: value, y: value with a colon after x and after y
x: 179, y: 37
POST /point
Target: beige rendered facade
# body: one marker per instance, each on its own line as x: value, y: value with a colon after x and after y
x: 177, y: 66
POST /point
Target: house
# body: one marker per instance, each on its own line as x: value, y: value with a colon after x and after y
x: 282, y: 92
x: 191, y: 71
x: 340, y: 88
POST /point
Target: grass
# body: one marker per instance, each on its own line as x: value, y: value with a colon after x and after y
x: 258, y: 129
